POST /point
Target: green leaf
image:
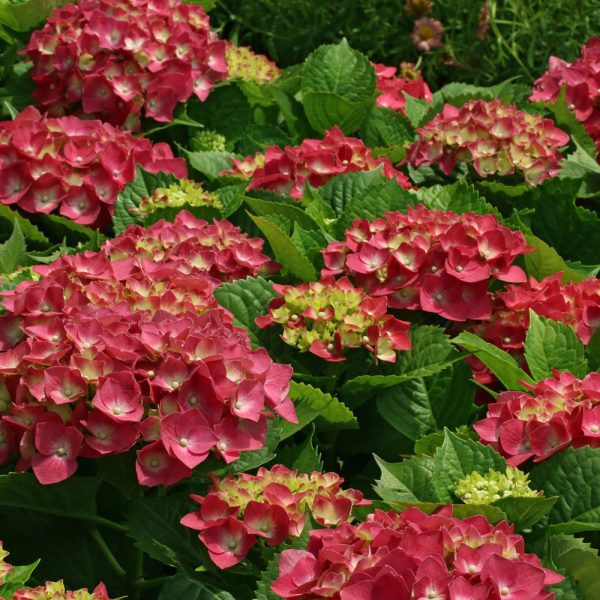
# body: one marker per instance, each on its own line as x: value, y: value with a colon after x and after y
x: 339, y: 191
x: 210, y: 163
x: 459, y: 197
x: 305, y: 457
x: 552, y: 345
x: 593, y: 351
x: 385, y: 127
x: 257, y: 138
x: 580, y: 561
x: 31, y: 233
x: 153, y: 523
x: 24, y: 15
x: 181, y: 588
x: 427, y: 404
x: 266, y: 208
x: 408, y: 481
x: 546, y: 261
x: 13, y: 252
x: 525, y: 512
x: 428, y: 444
x: 458, y: 457
x: 74, y: 498
x: 338, y: 87
x: 430, y: 353
x: 416, y: 110
x: 574, y: 476
x: 502, y: 364
x: 285, y: 250
x: 246, y: 299
x: 310, y: 243
x: 128, y: 201
x: 61, y: 229
x: 231, y: 198
x: 313, y: 404
x: 16, y: 579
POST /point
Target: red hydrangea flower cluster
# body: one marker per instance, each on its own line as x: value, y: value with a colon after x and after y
x: 73, y: 167
x: 97, y: 355
x: 392, y: 88
x: 272, y: 505
x: 245, y: 64
x: 432, y: 260
x: 314, y: 161
x: 574, y: 304
x: 191, y: 246
x: 401, y: 556
x: 561, y: 411
x: 113, y: 58
x: 582, y: 79
x: 495, y: 138
x: 328, y: 317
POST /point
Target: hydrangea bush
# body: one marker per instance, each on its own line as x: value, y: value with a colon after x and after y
x: 303, y: 289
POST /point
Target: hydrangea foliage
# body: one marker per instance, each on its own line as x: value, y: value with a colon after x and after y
x: 328, y: 317
x: 118, y: 59
x: 560, y: 411
x: 495, y: 138
x: 73, y: 167
x: 437, y: 261
x: 313, y: 161
x: 414, y: 555
x: 272, y: 505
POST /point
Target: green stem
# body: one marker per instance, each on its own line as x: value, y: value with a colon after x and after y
x: 138, y: 575
x: 151, y: 583
x: 107, y: 523
x: 106, y: 551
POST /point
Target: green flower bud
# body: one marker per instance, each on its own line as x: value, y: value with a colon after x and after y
x: 208, y: 141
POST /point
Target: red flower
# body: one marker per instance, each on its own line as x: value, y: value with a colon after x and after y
x: 228, y: 543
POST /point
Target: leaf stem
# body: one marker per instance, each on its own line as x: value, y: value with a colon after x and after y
x: 106, y: 551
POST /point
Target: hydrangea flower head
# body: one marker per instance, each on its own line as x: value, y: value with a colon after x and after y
x: 313, y: 161
x: 115, y: 59
x: 272, y: 505
x: 207, y: 140
x: 495, y: 138
x: 432, y: 260
x: 183, y: 193
x: 392, y: 86
x: 561, y: 411
x: 73, y: 167
x: 416, y: 556
x: 582, y: 80
x: 243, y: 63
x: 328, y: 317
x: 56, y: 591
x: 485, y: 489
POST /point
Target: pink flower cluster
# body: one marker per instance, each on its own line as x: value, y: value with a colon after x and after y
x: 561, y: 411
x: 99, y: 354
x: 437, y: 261
x: 113, y: 58
x: 314, y: 161
x: 392, y: 88
x: 272, y: 505
x: 582, y: 79
x: 191, y: 246
x: 495, y: 138
x: 574, y: 304
x: 401, y: 556
x: 328, y: 317
x: 73, y: 167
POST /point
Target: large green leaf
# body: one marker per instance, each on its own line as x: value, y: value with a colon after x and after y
x: 574, y: 476
x: 211, y: 163
x: 13, y: 252
x: 266, y: 208
x: 338, y: 87
x: 457, y: 458
x: 385, y: 127
x: 502, y: 364
x: 459, y: 197
x: 31, y: 233
x: 16, y: 579
x: 546, y: 261
x: 305, y: 456
x: 182, y: 588
x: 553, y: 345
x: 427, y: 404
x: 286, y: 252
x: 408, y: 481
x: 525, y: 512
x: 25, y: 14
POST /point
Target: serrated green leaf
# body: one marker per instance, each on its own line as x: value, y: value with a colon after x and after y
x: 457, y: 458
x: 31, y: 233
x: 304, y: 457
x: 285, y: 250
x: 428, y: 444
x: 128, y: 200
x: 210, y: 164
x: 338, y: 87
x: 406, y: 481
x: 416, y: 109
x: 385, y: 127
x: 553, y: 345
x: 430, y: 353
x: 546, y: 261
x: 428, y: 404
x: 342, y: 189
x: 459, y: 197
x: 502, y: 364
x: 16, y: 579
x: 13, y: 252
x: 246, y: 299
x: 580, y: 561
x: 574, y: 476
x: 313, y: 404
x: 310, y: 243
x: 266, y: 208
x: 525, y: 512
x: 181, y: 588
